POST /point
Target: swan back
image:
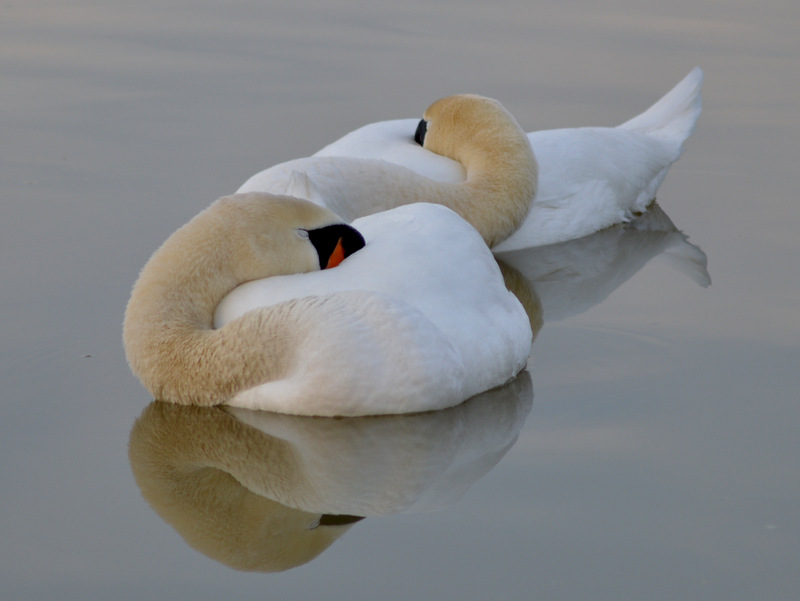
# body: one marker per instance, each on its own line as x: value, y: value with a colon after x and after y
x: 589, y: 177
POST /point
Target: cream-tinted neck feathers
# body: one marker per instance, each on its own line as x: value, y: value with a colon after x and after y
x: 501, y: 168
x: 168, y: 335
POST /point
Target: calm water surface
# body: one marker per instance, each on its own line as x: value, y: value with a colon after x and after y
x: 651, y: 452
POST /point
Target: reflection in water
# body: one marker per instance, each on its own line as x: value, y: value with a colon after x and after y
x: 266, y: 492
x: 570, y: 277
x: 526, y: 295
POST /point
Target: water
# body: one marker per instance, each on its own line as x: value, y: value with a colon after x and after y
x: 658, y: 459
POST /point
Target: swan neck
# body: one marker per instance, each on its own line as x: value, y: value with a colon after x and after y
x: 501, y: 180
x: 168, y: 331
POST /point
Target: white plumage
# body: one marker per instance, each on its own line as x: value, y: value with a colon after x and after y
x: 589, y: 177
x: 419, y: 319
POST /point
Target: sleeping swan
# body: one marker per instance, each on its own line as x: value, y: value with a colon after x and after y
x: 589, y: 178
x: 394, y: 328
x: 494, y: 193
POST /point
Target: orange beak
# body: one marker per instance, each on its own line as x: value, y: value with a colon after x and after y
x: 337, y: 256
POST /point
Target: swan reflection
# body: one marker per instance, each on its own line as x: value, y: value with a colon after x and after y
x: 266, y: 492
x: 569, y: 278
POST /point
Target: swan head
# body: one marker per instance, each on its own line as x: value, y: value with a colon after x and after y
x: 457, y: 126
x: 275, y: 235
x: 501, y: 167
x: 237, y: 239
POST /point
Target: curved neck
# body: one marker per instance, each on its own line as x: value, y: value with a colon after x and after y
x: 499, y: 188
x: 168, y: 330
x: 501, y: 168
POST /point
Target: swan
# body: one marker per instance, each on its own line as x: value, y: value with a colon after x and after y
x: 494, y: 193
x: 589, y: 178
x: 394, y: 328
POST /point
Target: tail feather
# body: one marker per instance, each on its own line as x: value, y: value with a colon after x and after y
x: 675, y: 115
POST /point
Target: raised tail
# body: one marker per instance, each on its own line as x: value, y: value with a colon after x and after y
x: 675, y: 115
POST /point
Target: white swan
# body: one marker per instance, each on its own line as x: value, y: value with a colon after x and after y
x: 494, y: 193
x: 395, y: 328
x: 589, y: 177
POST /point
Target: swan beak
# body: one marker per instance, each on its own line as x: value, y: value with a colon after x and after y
x: 334, y: 243
x: 419, y: 135
x: 337, y: 256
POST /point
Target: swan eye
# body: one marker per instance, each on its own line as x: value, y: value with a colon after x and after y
x: 302, y: 233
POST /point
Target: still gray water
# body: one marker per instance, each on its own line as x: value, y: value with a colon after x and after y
x: 650, y: 450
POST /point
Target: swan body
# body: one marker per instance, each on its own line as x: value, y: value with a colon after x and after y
x: 588, y: 179
x: 395, y: 328
x: 494, y: 191
x: 406, y: 331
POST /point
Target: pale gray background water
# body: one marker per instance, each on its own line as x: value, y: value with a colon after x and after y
x: 660, y: 459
